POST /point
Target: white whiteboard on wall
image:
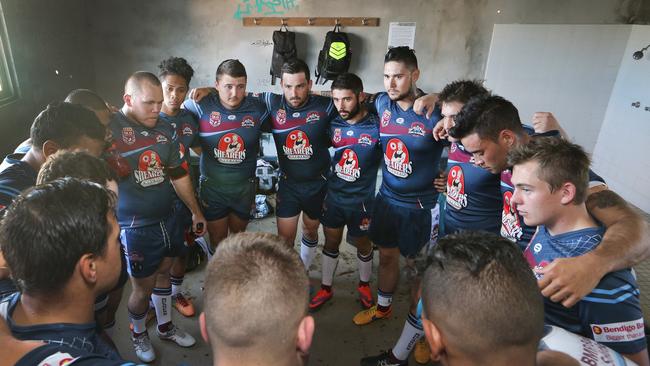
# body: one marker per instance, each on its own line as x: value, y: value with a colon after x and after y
x: 569, y: 70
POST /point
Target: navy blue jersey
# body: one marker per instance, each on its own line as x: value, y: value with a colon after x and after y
x: 301, y: 135
x: 357, y: 153
x: 146, y: 194
x: 473, y: 194
x: 83, y: 337
x: 51, y: 355
x: 15, y: 177
x: 230, y: 138
x: 187, y: 130
x: 411, y: 155
x: 611, y: 313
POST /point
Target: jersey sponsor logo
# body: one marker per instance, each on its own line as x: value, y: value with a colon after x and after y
x: 385, y: 118
x: 128, y: 135
x: 417, y: 129
x: 297, y: 146
x: 337, y: 135
x: 161, y: 139
x: 365, y: 139
x: 618, y: 332
x: 248, y: 121
x: 537, y: 248
x: 350, y: 133
x: 510, y: 225
x: 215, y: 119
x: 456, y: 196
x: 187, y: 130
x: 312, y: 117
x: 397, y: 159
x: 231, y: 149
x: 295, y: 114
x: 150, y: 169
x: 348, y: 167
x: 365, y: 224
x: 144, y: 133
x: 281, y: 116
x: 400, y: 120
x: 232, y: 117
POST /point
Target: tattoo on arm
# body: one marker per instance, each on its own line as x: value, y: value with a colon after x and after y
x: 605, y: 199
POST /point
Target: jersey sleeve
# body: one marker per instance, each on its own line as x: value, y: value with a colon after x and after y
x: 370, y: 103
x: 175, y: 158
x: 265, y: 119
x: 611, y: 314
x: 595, y: 180
x: 193, y: 107
x: 7, y: 195
x: 196, y: 142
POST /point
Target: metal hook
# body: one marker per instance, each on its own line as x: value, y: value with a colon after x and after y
x: 310, y: 21
x: 284, y: 22
x: 364, y: 21
x: 255, y: 21
x: 338, y: 21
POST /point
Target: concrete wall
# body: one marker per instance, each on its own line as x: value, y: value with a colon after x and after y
x: 620, y: 155
x: 452, y: 37
x: 45, y: 36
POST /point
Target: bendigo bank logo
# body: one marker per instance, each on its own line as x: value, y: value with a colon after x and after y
x: 297, y: 146
x: 231, y: 149
x: 348, y: 167
x: 456, y: 196
x: 510, y: 226
x: 150, y: 169
x: 397, y: 158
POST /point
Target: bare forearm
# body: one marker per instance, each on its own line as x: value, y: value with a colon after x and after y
x: 185, y: 191
x: 626, y: 241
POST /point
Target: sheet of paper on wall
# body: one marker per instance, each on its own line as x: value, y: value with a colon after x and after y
x: 401, y: 34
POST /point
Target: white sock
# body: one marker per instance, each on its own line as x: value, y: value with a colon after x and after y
x: 307, y: 251
x: 177, y: 283
x: 365, y: 267
x: 162, y: 301
x: 384, y: 299
x: 330, y: 261
x: 139, y: 322
x: 411, y: 333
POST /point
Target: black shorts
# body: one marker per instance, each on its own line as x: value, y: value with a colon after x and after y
x: 294, y: 197
x: 357, y: 219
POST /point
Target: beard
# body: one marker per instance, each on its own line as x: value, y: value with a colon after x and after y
x: 352, y: 113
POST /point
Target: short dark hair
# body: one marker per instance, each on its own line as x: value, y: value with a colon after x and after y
x: 295, y: 66
x: 232, y: 68
x: 480, y: 288
x: 348, y: 81
x: 77, y: 164
x: 402, y: 54
x: 49, y: 227
x: 462, y: 91
x: 87, y: 98
x: 65, y: 123
x: 176, y: 66
x: 134, y: 83
x: 487, y: 116
x: 559, y: 160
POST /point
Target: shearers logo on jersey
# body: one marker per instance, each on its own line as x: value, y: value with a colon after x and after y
x: 128, y: 135
x: 397, y: 159
x: 337, y: 135
x: 456, y: 196
x: 510, y: 226
x: 348, y: 167
x: 297, y: 146
x: 247, y: 121
x: 187, y: 130
x: 417, y: 129
x: 281, y: 116
x: 385, y: 118
x: 231, y: 149
x: 312, y: 117
x: 150, y: 169
x: 215, y: 119
x: 365, y: 139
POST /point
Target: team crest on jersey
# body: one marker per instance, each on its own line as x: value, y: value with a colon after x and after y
x: 385, y: 118
x: 128, y: 135
x: 365, y: 139
x: 215, y: 119
x: 281, y: 116
x: 248, y: 121
x: 337, y: 135
x: 312, y: 117
x: 150, y: 169
x: 510, y: 226
x: 397, y: 158
x: 453, y: 148
x: 187, y: 130
x: 417, y: 129
x: 231, y: 149
x: 348, y: 167
x: 297, y: 146
x: 161, y: 139
x: 365, y: 224
x: 456, y: 196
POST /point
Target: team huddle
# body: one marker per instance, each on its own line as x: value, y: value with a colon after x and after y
x: 529, y: 252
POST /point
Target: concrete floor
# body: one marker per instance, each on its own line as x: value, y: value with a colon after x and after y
x: 337, y: 340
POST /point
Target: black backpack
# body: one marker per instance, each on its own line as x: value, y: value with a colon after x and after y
x: 284, y: 49
x: 334, y: 59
